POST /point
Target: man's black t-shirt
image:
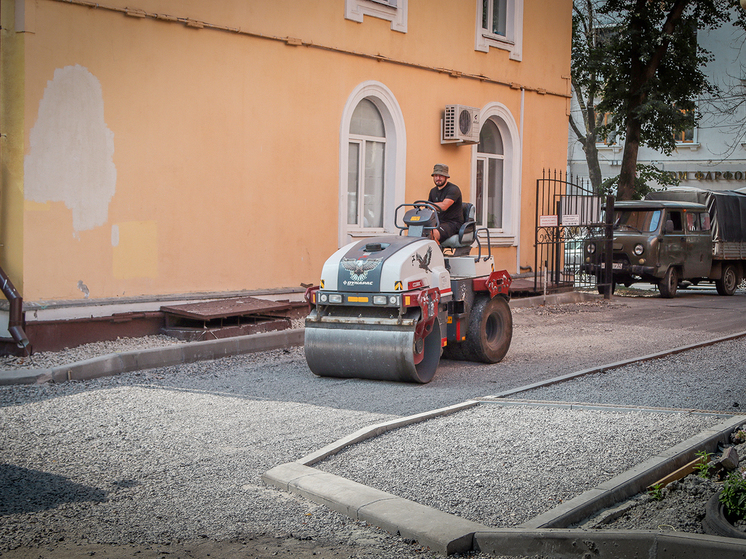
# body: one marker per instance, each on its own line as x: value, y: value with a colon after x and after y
x: 455, y: 213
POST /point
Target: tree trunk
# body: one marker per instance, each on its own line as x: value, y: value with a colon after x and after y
x: 628, y: 173
x: 594, y: 167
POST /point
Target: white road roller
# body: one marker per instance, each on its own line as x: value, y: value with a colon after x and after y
x: 388, y: 307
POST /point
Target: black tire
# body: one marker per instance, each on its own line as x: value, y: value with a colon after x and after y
x: 716, y: 523
x: 729, y: 280
x: 490, y: 330
x: 669, y: 283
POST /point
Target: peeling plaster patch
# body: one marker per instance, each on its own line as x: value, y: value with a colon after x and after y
x: 71, y: 154
x: 84, y: 288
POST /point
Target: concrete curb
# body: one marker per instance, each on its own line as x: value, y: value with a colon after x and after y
x: 438, y: 530
x: 636, y: 479
x: 607, y: 544
x: 616, y: 365
x: 115, y: 363
x: 380, y: 429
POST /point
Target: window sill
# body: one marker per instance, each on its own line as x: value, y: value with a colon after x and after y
x: 365, y: 233
x: 690, y: 146
x: 615, y: 148
x: 396, y: 13
x: 498, y: 239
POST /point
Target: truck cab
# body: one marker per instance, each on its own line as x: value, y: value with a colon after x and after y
x: 655, y: 241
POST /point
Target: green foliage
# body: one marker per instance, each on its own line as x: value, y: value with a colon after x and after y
x: 648, y: 178
x: 703, y: 466
x: 733, y: 495
x: 639, y: 63
x: 656, y: 492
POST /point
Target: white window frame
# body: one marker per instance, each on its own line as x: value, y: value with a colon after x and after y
x: 394, y: 11
x: 394, y: 165
x: 513, y: 39
x: 501, y: 116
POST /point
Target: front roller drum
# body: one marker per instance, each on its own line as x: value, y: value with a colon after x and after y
x: 371, y: 352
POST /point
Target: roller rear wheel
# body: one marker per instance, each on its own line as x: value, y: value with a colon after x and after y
x: 490, y: 330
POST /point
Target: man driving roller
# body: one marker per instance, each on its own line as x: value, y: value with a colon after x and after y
x: 445, y: 196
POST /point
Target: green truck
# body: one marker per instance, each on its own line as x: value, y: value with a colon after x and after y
x: 674, y: 237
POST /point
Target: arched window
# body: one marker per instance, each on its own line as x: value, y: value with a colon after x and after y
x: 372, y: 162
x: 490, y: 170
x: 496, y: 177
x: 365, y: 167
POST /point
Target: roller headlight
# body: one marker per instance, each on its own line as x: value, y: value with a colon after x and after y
x: 638, y: 250
x: 335, y: 298
x: 380, y: 299
x: 323, y: 298
x: 590, y: 248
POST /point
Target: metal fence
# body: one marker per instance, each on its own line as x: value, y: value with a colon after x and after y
x: 567, y: 213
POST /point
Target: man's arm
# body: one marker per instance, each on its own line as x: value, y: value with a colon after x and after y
x: 444, y: 205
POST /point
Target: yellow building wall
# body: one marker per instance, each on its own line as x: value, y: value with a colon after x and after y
x: 161, y: 158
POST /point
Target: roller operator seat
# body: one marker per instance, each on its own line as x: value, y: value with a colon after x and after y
x: 466, y: 234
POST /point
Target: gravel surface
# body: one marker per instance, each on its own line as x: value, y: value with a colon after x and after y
x: 482, y: 462
x: 705, y: 378
x: 168, y: 461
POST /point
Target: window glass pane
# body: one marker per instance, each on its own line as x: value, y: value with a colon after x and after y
x: 499, y: 17
x: 373, y: 188
x: 367, y: 121
x: 678, y: 224
x: 353, y: 174
x: 495, y: 194
x: 705, y: 221
x: 641, y: 220
x: 479, y: 198
x: 485, y: 13
x: 490, y: 140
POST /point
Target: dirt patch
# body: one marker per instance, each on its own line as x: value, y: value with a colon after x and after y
x: 679, y: 507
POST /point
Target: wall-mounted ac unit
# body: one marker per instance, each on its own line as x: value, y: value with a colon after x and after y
x: 460, y: 125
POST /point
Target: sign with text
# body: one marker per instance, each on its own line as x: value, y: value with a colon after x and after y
x: 548, y: 221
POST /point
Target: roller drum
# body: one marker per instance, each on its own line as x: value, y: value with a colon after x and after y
x: 370, y: 352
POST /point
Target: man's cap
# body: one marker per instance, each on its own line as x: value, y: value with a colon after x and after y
x: 441, y: 169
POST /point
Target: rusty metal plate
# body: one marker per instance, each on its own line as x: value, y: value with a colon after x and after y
x: 223, y: 308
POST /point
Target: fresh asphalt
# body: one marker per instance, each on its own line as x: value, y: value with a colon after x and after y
x: 696, y: 316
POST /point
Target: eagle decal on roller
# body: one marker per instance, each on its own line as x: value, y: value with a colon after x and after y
x: 424, y: 261
x: 359, y: 268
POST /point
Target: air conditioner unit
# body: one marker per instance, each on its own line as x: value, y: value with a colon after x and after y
x: 460, y: 125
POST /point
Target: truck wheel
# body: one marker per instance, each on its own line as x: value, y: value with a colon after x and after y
x: 490, y: 330
x: 669, y: 283
x: 728, y: 282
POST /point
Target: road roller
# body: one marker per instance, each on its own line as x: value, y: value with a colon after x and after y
x: 389, y: 307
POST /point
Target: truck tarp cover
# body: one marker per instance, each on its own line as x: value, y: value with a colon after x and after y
x: 727, y: 209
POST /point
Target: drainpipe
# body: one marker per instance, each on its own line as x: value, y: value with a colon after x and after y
x: 15, y: 318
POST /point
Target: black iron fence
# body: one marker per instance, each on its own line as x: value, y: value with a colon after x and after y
x: 567, y: 213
